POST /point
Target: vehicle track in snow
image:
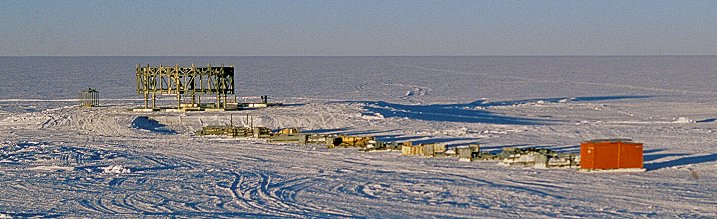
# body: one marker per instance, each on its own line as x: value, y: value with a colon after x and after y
x: 256, y: 190
x: 182, y: 175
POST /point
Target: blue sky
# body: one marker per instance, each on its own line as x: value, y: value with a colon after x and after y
x: 357, y: 28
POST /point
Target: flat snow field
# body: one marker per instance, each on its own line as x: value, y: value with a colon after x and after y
x: 61, y: 160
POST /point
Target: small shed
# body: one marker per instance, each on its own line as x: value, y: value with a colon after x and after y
x: 605, y: 154
x: 89, y: 98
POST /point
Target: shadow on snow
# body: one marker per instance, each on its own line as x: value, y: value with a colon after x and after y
x: 472, y: 112
x: 145, y: 123
x: 682, y: 161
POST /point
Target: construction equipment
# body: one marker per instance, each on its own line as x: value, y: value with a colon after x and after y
x: 464, y: 154
x: 288, y: 131
x: 233, y: 131
x: 228, y: 130
x: 261, y: 132
x: 409, y: 149
x: 349, y: 141
x: 289, y: 135
x: 467, y: 154
x: 376, y: 145
x: 291, y: 138
x: 537, y: 157
x: 263, y: 102
x: 316, y: 139
x: 425, y: 150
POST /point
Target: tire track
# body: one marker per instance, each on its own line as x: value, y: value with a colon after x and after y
x: 96, y: 206
x: 256, y: 190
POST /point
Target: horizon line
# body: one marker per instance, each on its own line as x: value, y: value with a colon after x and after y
x: 338, y: 56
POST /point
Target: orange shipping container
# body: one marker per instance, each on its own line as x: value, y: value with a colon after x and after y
x: 610, y: 154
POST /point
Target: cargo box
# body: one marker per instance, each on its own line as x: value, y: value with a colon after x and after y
x: 607, y: 154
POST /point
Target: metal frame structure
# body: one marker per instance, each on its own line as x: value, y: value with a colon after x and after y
x: 89, y: 98
x: 185, y: 83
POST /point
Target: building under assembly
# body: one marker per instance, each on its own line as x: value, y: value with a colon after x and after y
x: 189, y: 85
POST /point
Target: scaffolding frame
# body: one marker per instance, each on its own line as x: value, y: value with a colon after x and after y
x: 89, y: 98
x: 185, y: 83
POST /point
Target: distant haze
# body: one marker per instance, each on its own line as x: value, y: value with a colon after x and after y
x: 356, y: 28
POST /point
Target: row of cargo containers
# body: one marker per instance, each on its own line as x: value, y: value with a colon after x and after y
x: 331, y: 141
x: 536, y: 157
x: 601, y: 154
x: 440, y: 150
x: 539, y: 159
x: 233, y: 131
x: 292, y: 135
x: 365, y: 143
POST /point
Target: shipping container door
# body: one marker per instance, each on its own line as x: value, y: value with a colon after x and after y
x: 606, y: 155
x: 631, y: 155
x: 587, y: 155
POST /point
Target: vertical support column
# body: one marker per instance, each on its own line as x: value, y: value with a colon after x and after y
x: 138, y: 79
x: 201, y: 83
x: 216, y: 86
x: 225, y: 101
x: 192, y: 78
x: 162, y: 76
x: 145, y: 75
x: 153, y: 86
x: 222, y: 90
x: 178, y: 83
x: 234, y: 83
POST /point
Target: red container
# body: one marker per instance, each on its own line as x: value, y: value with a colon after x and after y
x: 610, y: 154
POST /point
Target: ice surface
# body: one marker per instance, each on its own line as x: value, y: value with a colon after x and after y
x: 116, y: 169
x: 60, y: 160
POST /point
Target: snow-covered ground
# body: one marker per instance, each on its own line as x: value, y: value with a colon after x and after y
x: 57, y: 159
